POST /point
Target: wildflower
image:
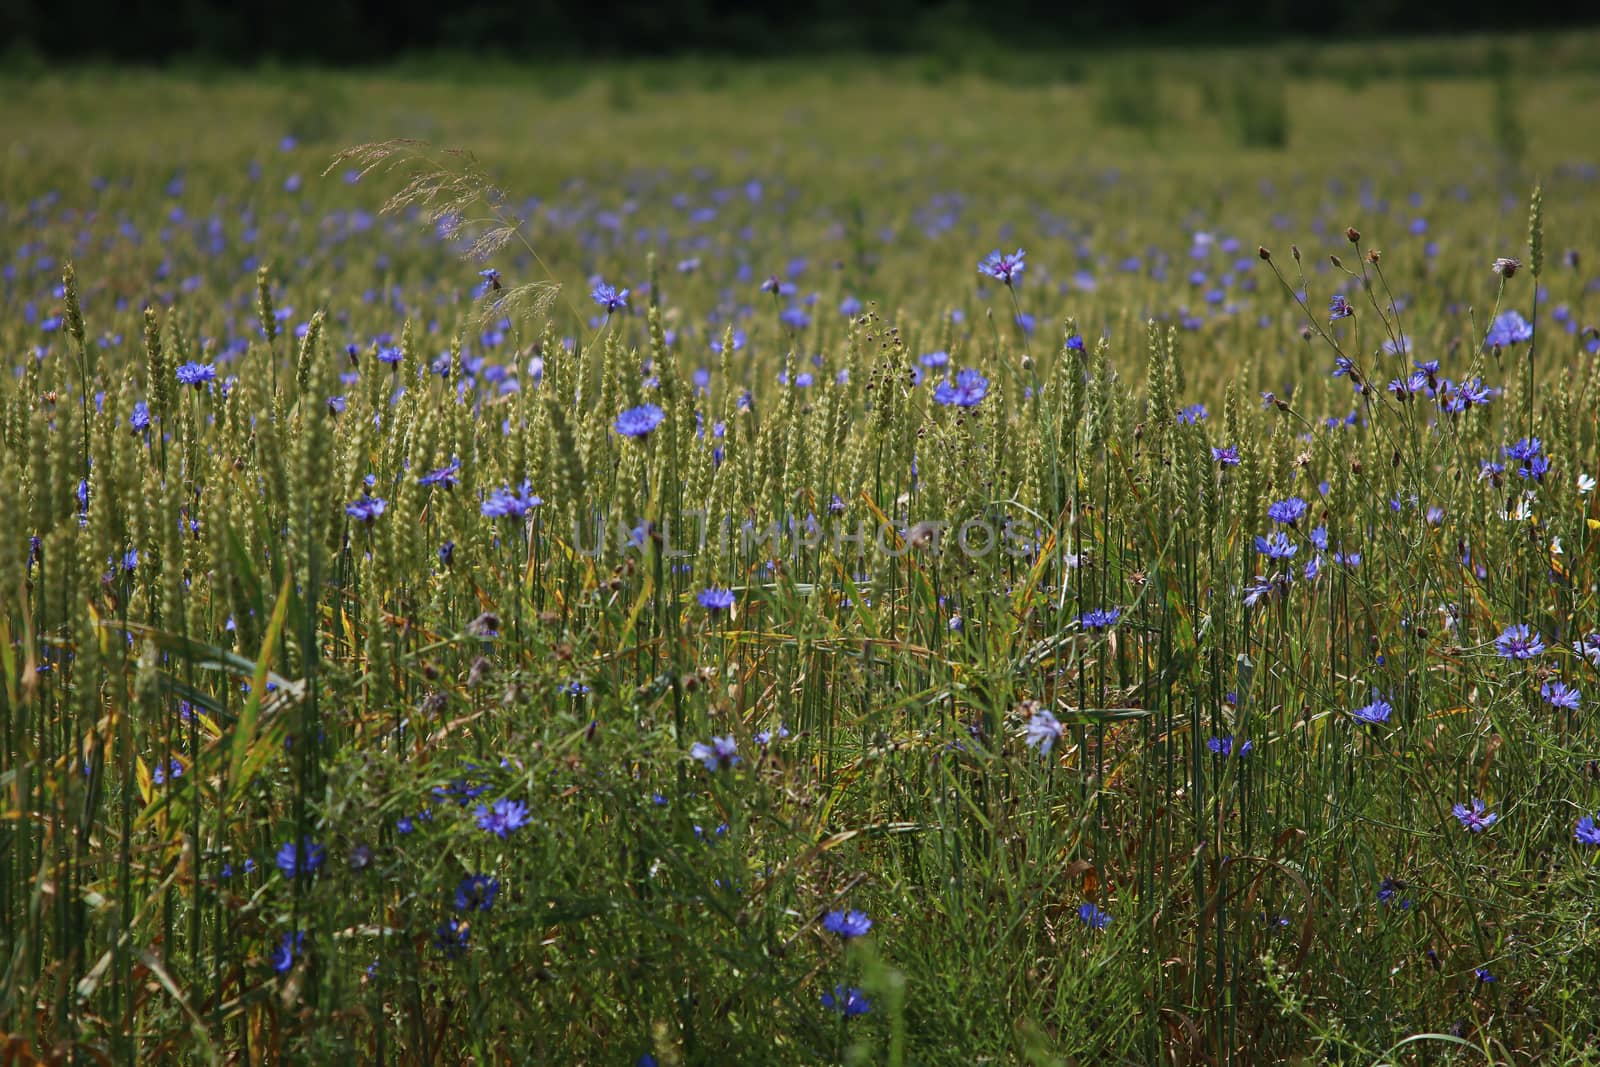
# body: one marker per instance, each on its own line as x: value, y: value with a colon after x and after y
x: 1093, y: 917
x: 609, y: 297
x: 716, y: 599
x: 1003, y: 268
x: 505, y: 503
x: 1519, y: 641
x: 1589, y: 648
x: 847, y: 924
x: 297, y: 858
x: 282, y: 957
x: 1475, y: 818
x: 391, y: 355
x: 1339, y: 308
x: 451, y: 937
x: 476, y: 892
x: 197, y: 374
x: 446, y: 476
x: 1509, y: 328
x: 1560, y: 695
x: 1226, y: 456
x: 490, y: 283
x: 1387, y: 890
x: 1193, y: 414
x: 967, y: 391
x: 367, y: 509
x: 1482, y: 974
x: 847, y: 1002
x: 1506, y: 267
x: 1374, y: 713
x: 1586, y: 832
x: 1100, y: 618
x: 720, y: 754
x: 1276, y: 546
x: 505, y: 816
x: 140, y: 419
x: 639, y: 421
x: 1043, y: 731
x: 765, y: 737
x: 1223, y: 746
x: 1288, y: 512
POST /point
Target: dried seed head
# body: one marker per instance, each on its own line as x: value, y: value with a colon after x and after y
x: 1506, y: 266
x: 1352, y: 235
x: 1264, y: 252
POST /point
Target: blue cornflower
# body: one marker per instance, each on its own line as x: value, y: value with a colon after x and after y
x: 446, y: 476
x: 1093, y: 917
x: 1586, y: 832
x: 490, y: 283
x: 476, y: 892
x: 1276, y: 546
x: 967, y: 391
x: 1226, y: 456
x: 367, y: 509
x: 1560, y: 695
x: 847, y: 1002
x: 639, y: 421
x: 391, y: 355
x: 1339, y: 308
x: 505, y: 503
x: 1223, y: 746
x: 939, y: 358
x: 609, y: 297
x: 1475, y: 818
x: 1509, y: 328
x: 847, y: 924
x: 140, y: 419
x: 282, y: 957
x: 1099, y: 618
x: 716, y: 599
x: 1482, y: 974
x: 1288, y: 512
x: 1043, y: 731
x: 721, y: 753
x: 197, y: 374
x: 295, y: 859
x: 504, y: 817
x: 1519, y: 641
x: 1376, y: 712
x: 451, y: 937
x: 1193, y: 414
x: 1003, y: 268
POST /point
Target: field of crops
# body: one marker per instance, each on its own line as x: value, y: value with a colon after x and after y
x: 1049, y: 561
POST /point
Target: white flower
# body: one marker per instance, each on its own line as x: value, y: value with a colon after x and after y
x: 1585, y: 484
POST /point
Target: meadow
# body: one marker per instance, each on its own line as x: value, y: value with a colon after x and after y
x: 980, y: 558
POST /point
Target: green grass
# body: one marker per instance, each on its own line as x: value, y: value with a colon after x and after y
x: 316, y: 676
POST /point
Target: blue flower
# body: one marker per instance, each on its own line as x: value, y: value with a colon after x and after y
x: 847, y: 924
x: 504, y: 817
x: 847, y: 1002
x: 197, y: 374
x: 716, y: 599
x: 609, y: 297
x: 504, y: 503
x: 1003, y: 268
x: 1100, y: 618
x: 445, y: 476
x: 721, y: 753
x: 1560, y: 695
x: 1276, y: 546
x: 968, y: 390
x: 1587, y: 833
x: 1376, y: 712
x: 490, y: 283
x: 1288, y: 512
x: 1519, y: 641
x: 1509, y: 328
x: 1223, y: 746
x: 295, y: 859
x: 1044, y: 730
x: 140, y: 419
x: 451, y: 938
x: 1339, y: 308
x: 1475, y: 818
x: 283, y: 956
x: 1226, y: 456
x: 639, y: 421
x: 367, y: 509
x: 1093, y: 917
x: 476, y: 892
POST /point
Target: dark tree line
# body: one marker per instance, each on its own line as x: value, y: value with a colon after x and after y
x: 357, y: 31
